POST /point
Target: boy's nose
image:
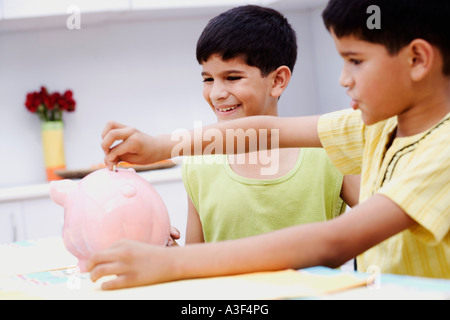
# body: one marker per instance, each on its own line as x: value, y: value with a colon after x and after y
x: 345, y: 79
x: 218, y: 92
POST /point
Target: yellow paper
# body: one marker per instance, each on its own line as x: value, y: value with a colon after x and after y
x: 255, y: 286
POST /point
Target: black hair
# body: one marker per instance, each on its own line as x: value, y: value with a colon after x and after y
x: 262, y: 36
x: 401, y: 21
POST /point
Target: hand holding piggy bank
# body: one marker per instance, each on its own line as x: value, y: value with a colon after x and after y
x: 106, y: 206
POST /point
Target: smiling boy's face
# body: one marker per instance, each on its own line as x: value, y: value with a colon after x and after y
x: 234, y: 89
x: 377, y: 82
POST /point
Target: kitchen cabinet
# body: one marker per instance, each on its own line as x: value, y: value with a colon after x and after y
x: 28, y: 213
x: 29, y: 219
x: 10, y: 213
x: 41, y: 218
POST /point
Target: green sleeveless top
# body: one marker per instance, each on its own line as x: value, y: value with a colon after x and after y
x: 231, y: 206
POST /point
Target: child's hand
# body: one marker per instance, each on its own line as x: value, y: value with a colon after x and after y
x: 134, y: 263
x: 136, y: 147
x: 174, y: 235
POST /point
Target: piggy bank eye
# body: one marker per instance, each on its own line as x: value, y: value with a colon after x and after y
x: 128, y: 191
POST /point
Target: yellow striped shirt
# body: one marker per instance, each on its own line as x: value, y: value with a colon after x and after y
x: 414, y: 172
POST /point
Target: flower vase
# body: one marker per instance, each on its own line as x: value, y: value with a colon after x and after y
x: 53, y: 147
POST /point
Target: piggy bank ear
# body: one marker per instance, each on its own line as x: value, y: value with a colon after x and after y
x: 59, y: 190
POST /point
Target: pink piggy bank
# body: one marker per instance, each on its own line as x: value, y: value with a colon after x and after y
x: 106, y: 206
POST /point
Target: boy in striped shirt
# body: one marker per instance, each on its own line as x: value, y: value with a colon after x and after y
x: 396, y: 137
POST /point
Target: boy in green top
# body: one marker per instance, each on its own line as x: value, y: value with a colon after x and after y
x: 247, y: 56
x: 399, y: 79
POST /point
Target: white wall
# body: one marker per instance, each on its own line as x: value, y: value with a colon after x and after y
x: 140, y: 73
x: 327, y: 63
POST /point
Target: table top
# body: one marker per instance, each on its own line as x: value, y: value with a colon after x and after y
x: 44, y: 269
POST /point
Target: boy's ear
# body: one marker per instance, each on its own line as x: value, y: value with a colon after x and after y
x: 281, y: 78
x: 421, y: 58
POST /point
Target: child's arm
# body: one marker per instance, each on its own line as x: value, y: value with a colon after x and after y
x: 139, y: 148
x: 350, y: 189
x: 329, y: 243
x: 194, y: 229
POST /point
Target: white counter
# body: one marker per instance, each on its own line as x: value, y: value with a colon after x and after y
x: 43, y: 190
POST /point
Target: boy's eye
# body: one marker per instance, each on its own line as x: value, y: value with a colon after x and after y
x: 355, y: 61
x: 228, y: 78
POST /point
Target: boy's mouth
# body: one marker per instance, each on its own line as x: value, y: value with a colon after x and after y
x: 227, y: 108
x: 354, y: 104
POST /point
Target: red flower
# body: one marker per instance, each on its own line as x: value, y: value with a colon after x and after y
x: 68, y: 95
x: 31, y: 102
x: 50, y: 106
